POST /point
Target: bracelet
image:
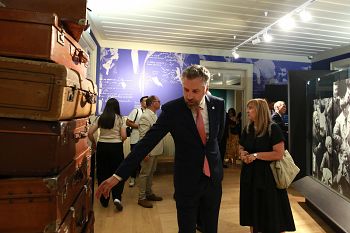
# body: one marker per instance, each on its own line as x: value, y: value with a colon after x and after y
x: 117, y: 177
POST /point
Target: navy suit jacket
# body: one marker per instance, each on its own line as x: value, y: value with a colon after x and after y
x: 279, y: 121
x: 177, y: 119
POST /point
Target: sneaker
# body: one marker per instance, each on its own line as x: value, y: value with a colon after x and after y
x: 132, y: 182
x: 118, y: 204
x: 144, y: 203
x: 154, y: 197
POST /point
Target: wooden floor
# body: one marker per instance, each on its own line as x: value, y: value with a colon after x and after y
x: 162, y: 217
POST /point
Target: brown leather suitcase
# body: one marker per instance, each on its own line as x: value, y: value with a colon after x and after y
x: 43, y: 91
x: 83, y: 207
x: 72, y: 14
x: 40, y: 204
x: 40, y: 148
x: 68, y: 225
x: 36, y: 35
x: 89, y: 226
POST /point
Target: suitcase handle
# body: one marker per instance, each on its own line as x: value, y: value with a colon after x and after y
x: 90, y: 98
x: 80, y: 56
x: 78, y: 176
x: 80, y: 135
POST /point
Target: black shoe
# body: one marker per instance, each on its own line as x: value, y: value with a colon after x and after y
x: 118, y: 205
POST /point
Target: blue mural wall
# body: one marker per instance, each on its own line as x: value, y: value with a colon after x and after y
x: 129, y: 74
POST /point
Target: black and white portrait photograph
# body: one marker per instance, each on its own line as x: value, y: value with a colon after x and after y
x: 331, y: 139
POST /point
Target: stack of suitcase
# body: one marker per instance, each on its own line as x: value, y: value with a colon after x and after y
x: 45, y: 102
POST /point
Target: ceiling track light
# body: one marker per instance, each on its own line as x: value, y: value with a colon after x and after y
x: 235, y: 54
x: 255, y: 39
x: 305, y: 16
x: 267, y: 37
x: 287, y: 23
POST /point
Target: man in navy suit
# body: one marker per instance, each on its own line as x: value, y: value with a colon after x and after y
x: 280, y: 109
x: 194, y: 191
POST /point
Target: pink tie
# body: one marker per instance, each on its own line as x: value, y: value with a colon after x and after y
x: 202, y: 134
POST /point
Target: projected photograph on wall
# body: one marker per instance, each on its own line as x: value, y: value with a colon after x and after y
x: 331, y: 139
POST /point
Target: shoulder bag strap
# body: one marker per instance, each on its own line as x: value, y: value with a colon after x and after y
x: 136, y: 114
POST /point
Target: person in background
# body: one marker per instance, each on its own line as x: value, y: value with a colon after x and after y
x: 196, y: 122
x: 239, y: 123
x: 109, y: 148
x: 149, y: 163
x: 277, y: 117
x: 232, y: 152
x: 263, y: 207
x: 132, y: 121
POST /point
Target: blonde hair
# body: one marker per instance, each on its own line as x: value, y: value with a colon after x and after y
x: 263, y: 116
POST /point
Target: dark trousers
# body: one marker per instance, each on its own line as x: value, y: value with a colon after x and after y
x: 108, y: 158
x: 206, y: 202
x: 137, y: 171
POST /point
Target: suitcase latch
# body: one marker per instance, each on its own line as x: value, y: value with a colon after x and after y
x: 60, y: 37
x: 90, y: 98
x: 71, y: 94
x: 51, y: 183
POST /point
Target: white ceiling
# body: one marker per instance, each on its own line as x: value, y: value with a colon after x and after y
x: 212, y: 24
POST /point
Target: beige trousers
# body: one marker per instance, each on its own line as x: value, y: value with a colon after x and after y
x: 148, y: 167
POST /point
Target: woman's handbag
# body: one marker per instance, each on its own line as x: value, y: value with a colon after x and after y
x: 128, y: 131
x: 284, y: 171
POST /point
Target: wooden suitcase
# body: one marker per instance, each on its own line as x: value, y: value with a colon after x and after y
x: 43, y: 91
x: 40, y: 148
x: 36, y: 35
x: 40, y: 204
x: 71, y: 14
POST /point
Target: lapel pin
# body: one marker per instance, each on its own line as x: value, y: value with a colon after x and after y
x: 213, y: 107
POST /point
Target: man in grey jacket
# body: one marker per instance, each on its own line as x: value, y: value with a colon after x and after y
x: 149, y: 163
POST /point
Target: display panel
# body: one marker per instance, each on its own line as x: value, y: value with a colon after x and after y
x: 330, y: 99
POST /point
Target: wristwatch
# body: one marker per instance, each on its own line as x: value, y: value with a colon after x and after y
x: 255, y: 155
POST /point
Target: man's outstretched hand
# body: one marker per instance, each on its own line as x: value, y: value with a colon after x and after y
x: 106, y: 186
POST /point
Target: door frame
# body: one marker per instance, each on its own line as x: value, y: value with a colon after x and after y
x: 246, y: 81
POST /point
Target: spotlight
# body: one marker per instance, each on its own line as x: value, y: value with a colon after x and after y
x: 287, y: 23
x: 235, y: 54
x: 305, y: 16
x: 256, y: 41
x: 267, y: 37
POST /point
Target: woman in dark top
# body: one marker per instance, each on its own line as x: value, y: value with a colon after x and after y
x: 263, y: 207
x: 232, y: 153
